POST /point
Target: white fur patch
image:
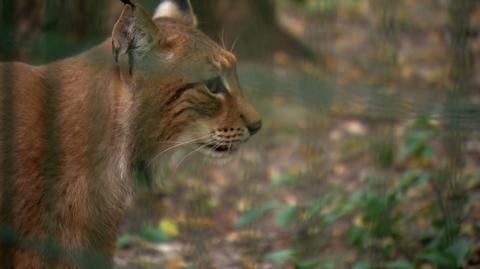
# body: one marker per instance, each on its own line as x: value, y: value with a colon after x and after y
x: 168, y: 9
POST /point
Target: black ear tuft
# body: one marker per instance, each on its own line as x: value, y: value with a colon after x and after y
x: 129, y: 2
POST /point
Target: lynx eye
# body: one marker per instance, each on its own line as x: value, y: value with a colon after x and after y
x: 216, y: 85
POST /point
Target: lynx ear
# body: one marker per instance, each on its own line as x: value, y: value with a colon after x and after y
x: 134, y: 34
x: 180, y: 9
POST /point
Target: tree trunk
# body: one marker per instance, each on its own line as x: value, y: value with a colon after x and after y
x: 8, y: 27
x: 248, y: 26
x: 28, y: 26
x: 457, y: 109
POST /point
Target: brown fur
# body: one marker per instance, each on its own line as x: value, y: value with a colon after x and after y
x: 71, y: 131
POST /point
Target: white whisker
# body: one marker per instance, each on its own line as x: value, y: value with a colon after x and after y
x: 230, y: 146
x: 186, y: 156
x: 176, y: 146
x: 222, y: 38
x: 232, y: 49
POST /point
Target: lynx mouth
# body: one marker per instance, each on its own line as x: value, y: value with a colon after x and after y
x: 219, y: 150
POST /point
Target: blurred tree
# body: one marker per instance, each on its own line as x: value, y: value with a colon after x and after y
x: 7, y: 53
x: 250, y: 26
x: 386, y: 17
x: 62, y: 23
x: 7, y: 30
x: 75, y: 19
x: 461, y: 34
x: 457, y: 109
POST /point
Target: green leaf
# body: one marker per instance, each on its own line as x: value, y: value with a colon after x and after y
x: 124, y: 241
x: 415, y: 145
x: 362, y: 265
x: 153, y: 235
x: 357, y: 236
x: 399, y: 264
x: 330, y: 218
x: 384, y: 154
x: 344, y: 208
x: 254, y: 214
x: 438, y: 258
x: 412, y: 178
x: 280, y: 257
x: 285, y: 179
x: 286, y: 215
x: 460, y: 250
x: 311, y: 264
x: 317, y: 205
x: 421, y: 122
x: 428, y: 152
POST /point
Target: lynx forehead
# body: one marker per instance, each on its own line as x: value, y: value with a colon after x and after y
x: 165, y: 83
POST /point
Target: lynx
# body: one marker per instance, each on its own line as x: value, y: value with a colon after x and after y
x: 72, y: 132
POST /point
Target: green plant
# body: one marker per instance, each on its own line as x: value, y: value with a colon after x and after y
x: 395, y: 220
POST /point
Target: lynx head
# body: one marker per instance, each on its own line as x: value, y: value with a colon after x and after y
x: 185, y: 86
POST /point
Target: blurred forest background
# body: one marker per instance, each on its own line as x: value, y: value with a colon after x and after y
x: 370, y: 153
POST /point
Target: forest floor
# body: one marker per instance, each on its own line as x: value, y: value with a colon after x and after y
x: 321, y: 138
x: 316, y: 142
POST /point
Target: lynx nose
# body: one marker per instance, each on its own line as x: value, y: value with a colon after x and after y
x: 254, y: 127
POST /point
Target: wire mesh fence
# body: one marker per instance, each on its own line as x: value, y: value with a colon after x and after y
x: 368, y: 156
